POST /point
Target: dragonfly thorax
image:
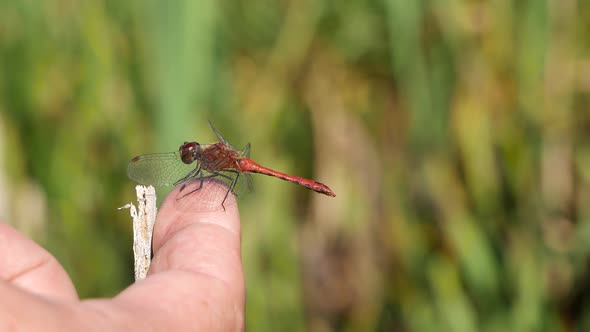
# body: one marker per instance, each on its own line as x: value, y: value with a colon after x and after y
x: 189, y: 152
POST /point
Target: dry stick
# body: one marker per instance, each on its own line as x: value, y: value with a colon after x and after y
x: 143, y: 227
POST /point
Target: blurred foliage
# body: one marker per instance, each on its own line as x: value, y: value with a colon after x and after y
x: 455, y: 134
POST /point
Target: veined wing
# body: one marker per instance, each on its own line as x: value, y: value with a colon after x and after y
x: 159, y: 169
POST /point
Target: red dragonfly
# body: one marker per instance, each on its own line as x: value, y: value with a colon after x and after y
x: 195, y: 161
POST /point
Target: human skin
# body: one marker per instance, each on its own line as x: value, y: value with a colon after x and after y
x: 195, y: 281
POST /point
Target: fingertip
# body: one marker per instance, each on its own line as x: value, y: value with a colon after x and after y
x: 190, y: 203
x: 200, y: 240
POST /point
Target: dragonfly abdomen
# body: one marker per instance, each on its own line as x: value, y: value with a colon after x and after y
x: 247, y: 165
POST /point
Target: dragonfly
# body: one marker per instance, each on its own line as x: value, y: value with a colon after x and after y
x: 198, y: 162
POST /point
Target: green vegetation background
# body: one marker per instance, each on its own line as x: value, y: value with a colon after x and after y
x: 456, y: 135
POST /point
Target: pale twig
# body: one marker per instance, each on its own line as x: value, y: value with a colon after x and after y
x: 143, y: 227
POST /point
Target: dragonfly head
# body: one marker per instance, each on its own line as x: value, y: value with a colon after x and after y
x: 189, y: 152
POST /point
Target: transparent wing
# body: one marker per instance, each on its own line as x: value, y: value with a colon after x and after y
x: 159, y: 169
x: 246, y: 151
x: 219, y: 137
x: 246, y: 185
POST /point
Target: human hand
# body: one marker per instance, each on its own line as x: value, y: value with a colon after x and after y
x: 195, y: 281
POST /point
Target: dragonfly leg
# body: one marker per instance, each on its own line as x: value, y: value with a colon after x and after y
x: 198, y: 174
x: 195, y: 172
x: 186, y: 178
x: 201, y: 179
x: 234, y: 180
x: 232, y: 185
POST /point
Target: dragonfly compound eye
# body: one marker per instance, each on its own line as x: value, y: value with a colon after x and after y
x: 189, y: 151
